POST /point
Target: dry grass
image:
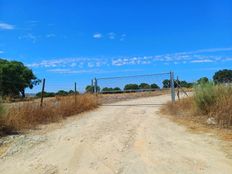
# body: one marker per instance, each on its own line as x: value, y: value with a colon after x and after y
x: 29, y: 114
x: 208, y: 101
x: 112, y: 98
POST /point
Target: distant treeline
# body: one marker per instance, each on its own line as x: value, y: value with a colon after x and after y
x: 142, y: 86
x: 53, y: 94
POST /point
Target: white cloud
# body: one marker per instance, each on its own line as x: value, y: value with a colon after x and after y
x: 202, y: 61
x: 112, y: 35
x: 89, y: 71
x: 97, y: 36
x: 70, y: 62
x: 165, y: 59
x: 6, y: 26
x: 67, y: 71
x: 50, y: 35
x: 123, y: 36
x: 29, y: 36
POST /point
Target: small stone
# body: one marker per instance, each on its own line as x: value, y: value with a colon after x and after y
x: 211, y: 121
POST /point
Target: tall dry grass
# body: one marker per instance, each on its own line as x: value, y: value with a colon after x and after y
x: 30, y: 114
x: 208, y: 101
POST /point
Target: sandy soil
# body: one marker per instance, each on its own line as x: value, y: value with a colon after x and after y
x: 129, y: 137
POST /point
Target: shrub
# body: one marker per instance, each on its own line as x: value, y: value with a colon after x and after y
x: 205, y: 96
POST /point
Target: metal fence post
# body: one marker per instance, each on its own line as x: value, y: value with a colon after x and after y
x: 75, y: 92
x: 172, y: 86
x: 92, y: 86
x: 42, y: 93
x: 95, y: 86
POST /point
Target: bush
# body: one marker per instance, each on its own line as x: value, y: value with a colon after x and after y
x: 205, y: 96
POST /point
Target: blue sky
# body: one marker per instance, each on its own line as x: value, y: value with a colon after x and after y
x: 67, y: 41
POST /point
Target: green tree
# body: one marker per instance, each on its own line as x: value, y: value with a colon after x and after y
x: 46, y: 94
x: 106, y: 89
x: 90, y: 89
x: 166, y: 83
x: 202, y: 80
x: 154, y: 86
x: 223, y: 76
x: 131, y: 87
x: 15, y: 78
x: 144, y: 86
x: 117, y: 89
x: 62, y: 93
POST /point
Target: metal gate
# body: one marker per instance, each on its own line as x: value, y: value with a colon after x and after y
x: 135, y: 84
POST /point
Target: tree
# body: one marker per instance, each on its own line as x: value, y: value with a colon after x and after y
x: 223, y: 76
x: 62, y: 93
x: 90, y: 89
x: 117, y: 89
x: 166, y: 83
x: 15, y: 78
x: 144, y: 86
x: 131, y: 87
x: 202, y: 80
x: 154, y: 86
x: 46, y: 94
x: 106, y: 89
x: 185, y: 84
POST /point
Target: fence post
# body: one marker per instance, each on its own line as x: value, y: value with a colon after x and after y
x: 95, y: 86
x: 172, y: 86
x: 92, y: 86
x: 42, y: 93
x: 178, y: 88
x: 75, y: 92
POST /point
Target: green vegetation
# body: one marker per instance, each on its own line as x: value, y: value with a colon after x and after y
x: 154, y: 86
x: 211, y: 102
x: 223, y: 76
x: 117, y: 89
x: 90, y: 89
x: 166, y: 83
x: 46, y: 94
x: 203, y: 80
x: 15, y: 78
x: 131, y: 87
x: 59, y: 93
x: 205, y: 96
x: 144, y: 86
x: 184, y: 84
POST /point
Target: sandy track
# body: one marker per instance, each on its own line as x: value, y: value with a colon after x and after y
x: 125, y: 137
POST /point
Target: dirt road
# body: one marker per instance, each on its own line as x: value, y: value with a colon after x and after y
x: 129, y: 137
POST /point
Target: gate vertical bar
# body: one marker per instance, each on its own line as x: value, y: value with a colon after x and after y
x: 92, y: 86
x: 95, y: 86
x: 172, y: 86
x: 42, y: 93
x: 75, y: 92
